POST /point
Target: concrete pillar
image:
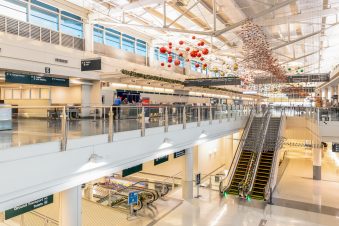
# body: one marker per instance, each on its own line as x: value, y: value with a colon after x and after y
x: 316, y: 158
x: 187, y: 183
x: 88, y: 35
x: 70, y: 207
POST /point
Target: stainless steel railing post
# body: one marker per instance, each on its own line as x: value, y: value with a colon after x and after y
x: 166, y: 120
x: 143, y: 121
x: 64, y: 129
x: 199, y: 117
x: 184, y: 117
x: 110, y: 125
x: 211, y: 116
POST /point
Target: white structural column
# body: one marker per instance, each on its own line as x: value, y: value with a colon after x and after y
x: 70, y: 207
x: 187, y: 183
x: 317, y: 150
x: 88, y: 35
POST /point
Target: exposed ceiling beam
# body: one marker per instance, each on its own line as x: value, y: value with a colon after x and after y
x: 134, y: 5
x: 301, y: 38
x: 119, y: 24
x: 157, y: 14
x: 182, y: 14
x: 301, y: 57
x: 299, y: 18
x: 262, y: 13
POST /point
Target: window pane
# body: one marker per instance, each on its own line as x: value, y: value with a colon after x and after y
x: 113, y: 31
x: 128, y: 45
x: 128, y: 37
x: 71, y: 15
x: 141, y: 49
x: 98, y: 35
x: 71, y: 27
x: 44, y: 18
x: 112, y: 40
x: 14, y: 8
x: 43, y: 5
x: 156, y: 54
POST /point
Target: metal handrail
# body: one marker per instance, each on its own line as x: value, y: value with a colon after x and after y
x: 275, y: 157
x: 237, y: 153
x: 259, y: 147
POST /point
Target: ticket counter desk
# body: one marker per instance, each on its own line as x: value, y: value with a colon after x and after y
x: 5, y: 117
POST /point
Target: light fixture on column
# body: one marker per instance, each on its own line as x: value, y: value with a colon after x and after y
x: 203, y: 134
x: 94, y: 158
x: 166, y: 144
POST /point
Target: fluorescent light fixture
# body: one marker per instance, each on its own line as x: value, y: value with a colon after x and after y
x: 166, y: 144
x: 118, y: 85
x: 94, y: 158
x: 203, y: 134
x: 250, y: 92
x: 148, y: 88
x: 134, y: 87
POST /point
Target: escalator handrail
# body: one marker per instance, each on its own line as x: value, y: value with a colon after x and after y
x: 237, y: 153
x: 275, y: 156
x: 259, y: 148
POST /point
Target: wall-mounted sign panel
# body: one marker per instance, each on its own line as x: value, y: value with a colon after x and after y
x: 160, y: 160
x: 179, y: 154
x: 16, y: 211
x: 213, y: 81
x: 335, y: 147
x: 13, y: 77
x: 320, y: 77
x: 91, y: 64
x: 132, y: 170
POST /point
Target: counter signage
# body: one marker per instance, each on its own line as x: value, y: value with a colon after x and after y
x: 160, y: 160
x: 132, y: 170
x: 213, y: 81
x: 179, y: 154
x: 335, y: 147
x: 16, y: 211
x: 91, y: 64
x: 35, y: 79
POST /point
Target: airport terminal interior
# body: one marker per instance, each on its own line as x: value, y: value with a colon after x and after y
x: 169, y: 113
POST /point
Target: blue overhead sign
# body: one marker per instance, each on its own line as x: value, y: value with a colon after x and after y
x: 133, y: 198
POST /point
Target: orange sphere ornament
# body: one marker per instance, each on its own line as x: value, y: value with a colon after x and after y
x: 177, y: 62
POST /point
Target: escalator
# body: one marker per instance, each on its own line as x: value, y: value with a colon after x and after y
x: 246, y: 157
x: 266, y: 161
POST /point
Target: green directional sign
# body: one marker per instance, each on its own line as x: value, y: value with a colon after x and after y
x: 24, y: 208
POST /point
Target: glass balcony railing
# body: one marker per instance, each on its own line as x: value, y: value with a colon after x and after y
x: 30, y: 125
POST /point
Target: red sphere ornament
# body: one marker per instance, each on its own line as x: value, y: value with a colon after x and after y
x: 202, y: 43
x: 170, y: 60
x: 193, y: 54
x: 169, y: 52
x: 163, y: 50
x: 162, y: 64
x: 202, y: 59
x: 198, y: 54
x: 181, y: 54
x: 197, y: 65
x: 187, y: 49
x: 170, y: 47
x: 193, y: 37
x: 187, y: 60
x: 170, y: 43
x: 169, y: 65
x: 177, y: 49
x: 181, y: 42
x: 199, y: 44
x: 205, y: 51
x: 205, y: 65
x: 177, y: 62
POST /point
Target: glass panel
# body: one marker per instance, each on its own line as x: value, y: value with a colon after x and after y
x: 113, y: 31
x: 156, y: 53
x: 43, y: 5
x: 44, y: 93
x: 112, y: 40
x: 44, y: 18
x: 98, y: 35
x: 17, y: 94
x: 128, y: 45
x: 141, y: 49
x: 35, y: 93
x: 14, y: 8
x: 71, y: 27
x: 99, y: 26
x: 128, y: 37
x: 71, y: 15
x: 26, y: 93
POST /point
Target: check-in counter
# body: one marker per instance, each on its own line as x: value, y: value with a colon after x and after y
x: 5, y: 117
